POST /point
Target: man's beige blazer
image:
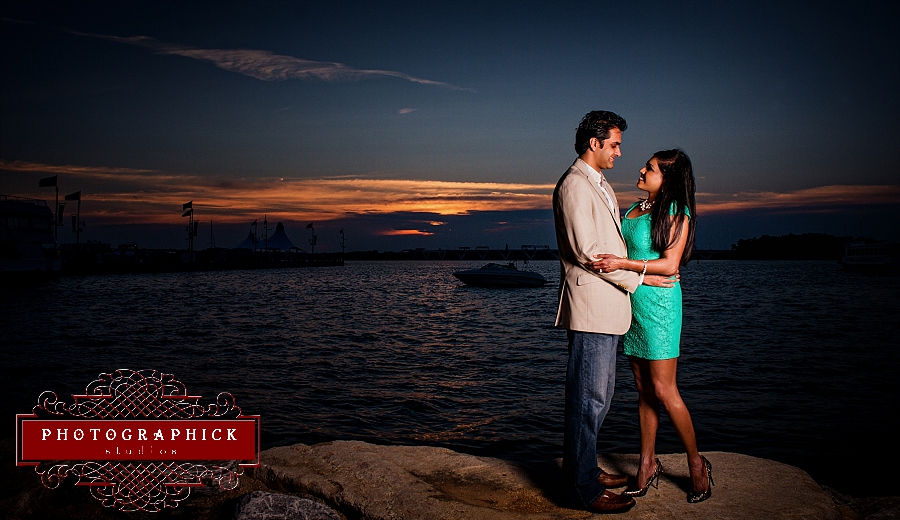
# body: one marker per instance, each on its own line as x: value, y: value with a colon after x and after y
x: 586, y: 225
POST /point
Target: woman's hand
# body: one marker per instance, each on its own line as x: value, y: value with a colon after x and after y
x: 606, y: 263
x: 659, y: 280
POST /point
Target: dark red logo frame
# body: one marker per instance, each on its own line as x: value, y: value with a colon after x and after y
x: 138, y: 440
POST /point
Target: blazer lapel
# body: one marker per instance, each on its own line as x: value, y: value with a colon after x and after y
x: 583, y: 169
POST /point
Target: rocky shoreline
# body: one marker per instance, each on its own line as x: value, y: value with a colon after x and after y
x: 357, y: 480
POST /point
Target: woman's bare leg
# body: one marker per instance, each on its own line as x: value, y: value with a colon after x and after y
x: 648, y: 413
x: 663, y: 372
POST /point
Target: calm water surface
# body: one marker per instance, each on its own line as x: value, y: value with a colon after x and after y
x: 793, y: 361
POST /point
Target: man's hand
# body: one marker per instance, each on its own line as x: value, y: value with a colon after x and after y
x: 606, y: 263
x: 658, y: 280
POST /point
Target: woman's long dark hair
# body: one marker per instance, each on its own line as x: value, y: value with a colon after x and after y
x: 674, y: 202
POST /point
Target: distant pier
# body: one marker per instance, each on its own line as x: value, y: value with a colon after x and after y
x: 480, y: 253
x: 99, y: 258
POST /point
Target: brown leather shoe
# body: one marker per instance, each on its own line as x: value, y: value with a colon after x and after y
x: 611, y: 480
x: 610, y: 502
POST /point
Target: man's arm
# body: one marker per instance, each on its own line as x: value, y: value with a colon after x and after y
x: 662, y: 272
x: 655, y: 280
x: 667, y: 264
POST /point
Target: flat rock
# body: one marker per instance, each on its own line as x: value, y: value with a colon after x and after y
x: 417, y: 482
x: 260, y: 505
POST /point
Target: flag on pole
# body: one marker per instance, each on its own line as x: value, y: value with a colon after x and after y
x: 47, y: 182
x: 59, y: 214
x: 188, y: 212
x: 309, y: 226
x: 187, y: 205
x: 74, y: 196
x: 254, y: 222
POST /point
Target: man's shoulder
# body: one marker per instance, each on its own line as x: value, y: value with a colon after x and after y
x: 572, y: 186
x: 578, y: 166
x: 573, y: 175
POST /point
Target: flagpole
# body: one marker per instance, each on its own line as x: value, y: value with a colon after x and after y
x: 189, y: 207
x: 76, y: 219
x: 78, y: 226
x: 56, y: 218
x: 46, y: 182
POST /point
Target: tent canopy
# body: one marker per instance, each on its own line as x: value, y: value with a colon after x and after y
x: 278, y: 241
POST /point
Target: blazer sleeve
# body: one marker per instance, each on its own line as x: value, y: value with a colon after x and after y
x: 628, y: 281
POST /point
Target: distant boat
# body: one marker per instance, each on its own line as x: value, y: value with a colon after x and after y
x: 869, y: 257
x: 497, y: 275
x: 27, y: 245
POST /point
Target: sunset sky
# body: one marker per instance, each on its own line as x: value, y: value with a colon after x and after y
x: 445, y: 124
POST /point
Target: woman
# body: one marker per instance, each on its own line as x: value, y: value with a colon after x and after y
x: 659, y: 232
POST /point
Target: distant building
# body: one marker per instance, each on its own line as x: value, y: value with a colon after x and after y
x: 279, y: 241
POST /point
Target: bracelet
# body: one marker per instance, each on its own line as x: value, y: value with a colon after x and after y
x: 645, y: 268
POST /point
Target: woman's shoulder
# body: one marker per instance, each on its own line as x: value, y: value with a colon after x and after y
x: 673, y: 209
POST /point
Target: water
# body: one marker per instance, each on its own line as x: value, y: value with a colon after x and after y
x: 793, y: 361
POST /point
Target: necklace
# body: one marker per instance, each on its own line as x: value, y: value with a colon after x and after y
x: 646, y: 204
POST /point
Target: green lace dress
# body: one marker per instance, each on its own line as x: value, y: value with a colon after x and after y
x: 655, y: 331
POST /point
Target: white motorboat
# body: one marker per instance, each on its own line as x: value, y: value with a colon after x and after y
x: 499, y: 275
x: 870, y: 257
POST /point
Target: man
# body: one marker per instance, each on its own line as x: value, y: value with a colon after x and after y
x: 594, y: 306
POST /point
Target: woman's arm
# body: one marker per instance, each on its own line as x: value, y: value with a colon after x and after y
x: 667, y: 264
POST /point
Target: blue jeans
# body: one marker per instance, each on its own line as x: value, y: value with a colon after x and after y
x: 590, y: 383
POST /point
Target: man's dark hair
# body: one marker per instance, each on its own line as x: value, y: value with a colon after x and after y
x: 597, y: 124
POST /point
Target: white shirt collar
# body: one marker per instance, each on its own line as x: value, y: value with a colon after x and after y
x: 595, y: 175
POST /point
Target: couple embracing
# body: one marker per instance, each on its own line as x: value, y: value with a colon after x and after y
x: 620, y: 276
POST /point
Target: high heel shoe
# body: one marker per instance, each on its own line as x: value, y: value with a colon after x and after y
x: 699, y: 496
x: 643, y: 491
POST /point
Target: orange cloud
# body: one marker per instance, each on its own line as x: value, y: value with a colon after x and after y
x: 400, y: 232
x: 98, y: 172
x: 126, y: 195
x: 821, y: 198
x: 149, y: 196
